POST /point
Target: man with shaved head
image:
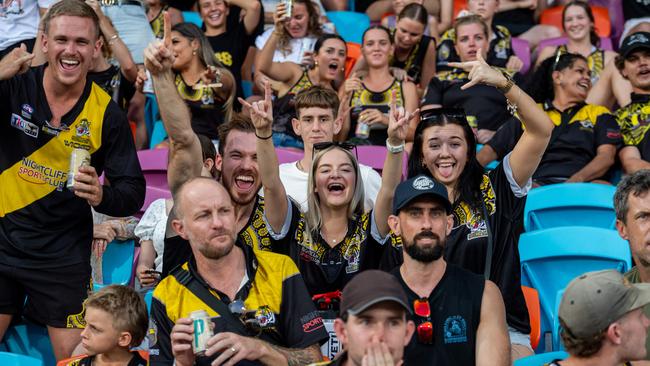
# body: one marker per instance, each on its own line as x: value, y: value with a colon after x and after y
x: 235, y: 286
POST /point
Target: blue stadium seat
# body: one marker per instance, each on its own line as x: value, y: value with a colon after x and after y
x: 117, y: 263
x: 551, y: 258
x: 541, y: 359
x: 158, y: 135
x: 349, y: 24
x: 27, y: 339
x: 147, y: 299
x: 586, y: 204
x: 193, y: 17
x: 13, y: 359
x: 247, y: 88
x: 151, y: 113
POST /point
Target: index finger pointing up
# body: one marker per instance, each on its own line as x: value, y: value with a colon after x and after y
x: 167, y: 29
x: 267, y: 92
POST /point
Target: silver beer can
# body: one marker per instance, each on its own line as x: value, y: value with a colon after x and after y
x: 289, y: 6
x: 363, y: 130
x: 78, y: 158
x: 202, y: 331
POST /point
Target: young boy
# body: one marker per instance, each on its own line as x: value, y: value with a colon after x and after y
x: 116, y: 320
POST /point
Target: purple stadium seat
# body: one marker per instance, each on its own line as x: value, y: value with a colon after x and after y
x: 522, y: 50
x: 154, y: 167
x: 288, y: 155
x: 374, y: 156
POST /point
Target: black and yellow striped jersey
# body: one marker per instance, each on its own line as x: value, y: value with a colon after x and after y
x: 273, y: 282
x: 41, y: 222
x: 634, y: 120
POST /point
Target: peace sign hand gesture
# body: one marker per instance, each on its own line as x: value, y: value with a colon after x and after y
x: 262, y: 111
x: 480, y: 72
x: 398, y: 122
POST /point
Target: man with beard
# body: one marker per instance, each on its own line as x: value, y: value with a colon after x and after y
x: 459, y: 316
x: 230, y: 282
x: 237, y: 158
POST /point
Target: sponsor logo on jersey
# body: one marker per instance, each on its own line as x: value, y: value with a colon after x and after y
x: 27, y: 127
x: 26, y: 111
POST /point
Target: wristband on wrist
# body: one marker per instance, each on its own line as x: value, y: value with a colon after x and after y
x: 394, y: 149
x: 263, y: 137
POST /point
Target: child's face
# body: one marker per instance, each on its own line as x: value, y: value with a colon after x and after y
x: 99, y: 336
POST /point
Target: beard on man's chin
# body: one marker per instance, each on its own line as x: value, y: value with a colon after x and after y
x: 210, y: 252
x: 426, y: 254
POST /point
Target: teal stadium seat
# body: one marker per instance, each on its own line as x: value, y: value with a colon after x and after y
x: 193, y: 17
x: 570, y: 204
x: 349, y: 24
x: 13, y: 359
x: 541, y: 359
x: 551, y: 258
x: 117, y: 264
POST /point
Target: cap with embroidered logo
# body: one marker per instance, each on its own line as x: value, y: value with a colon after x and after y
x: 634, y: 42
x: 419, y: 186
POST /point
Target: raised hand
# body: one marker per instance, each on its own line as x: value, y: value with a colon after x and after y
x: 158, y: 57
x: 16, y: 62
x: 262, y: 111
x: 280, y: 16
x: 352, y: 83
x: 398, y: 122
x: 480, y: 72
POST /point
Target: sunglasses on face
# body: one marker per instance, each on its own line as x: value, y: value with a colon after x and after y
x: 424, y: 330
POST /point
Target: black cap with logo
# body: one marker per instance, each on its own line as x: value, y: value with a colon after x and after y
x: 416, y: 187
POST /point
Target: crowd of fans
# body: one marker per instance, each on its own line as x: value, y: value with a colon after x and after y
x: 323, y: 256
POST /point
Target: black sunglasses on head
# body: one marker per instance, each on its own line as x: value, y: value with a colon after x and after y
x: 437, y: 113
x: 343, y: 145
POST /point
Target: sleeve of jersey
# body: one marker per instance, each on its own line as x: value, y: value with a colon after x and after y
x: 281, y: 241
x: 301, y: 324
x: 125, y: 195
x: 434, y: 92
x: 508, y: 203
x: 608, y: 131
x: 160, y: 352
x: 506, y: 137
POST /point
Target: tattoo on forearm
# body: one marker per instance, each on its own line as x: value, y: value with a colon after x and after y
x: 300, y: 356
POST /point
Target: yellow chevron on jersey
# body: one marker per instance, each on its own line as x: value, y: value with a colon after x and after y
x: 589, y: 112
x: 37, y: 175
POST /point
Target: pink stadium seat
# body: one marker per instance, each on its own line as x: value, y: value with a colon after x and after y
x: 522, y: 50
x: 374, y: 156
x: 288, y: 155
x: 154, y: 167
x: 152, y: 194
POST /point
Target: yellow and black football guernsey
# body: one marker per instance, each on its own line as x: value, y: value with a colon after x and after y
x: 273, y: 282
x: 365, y: 98
x: 578, y: 132
x: 498, y: 54
x: 634, y: 120
x: 41, y: 222
x: 485, y: 106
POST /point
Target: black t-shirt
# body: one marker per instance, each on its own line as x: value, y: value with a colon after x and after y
x: 414, y: 62
x: 327, y: 269
x: 113, y: 81
x: 230, y: 48
x: 455, y: 305
x: 42, y: 223
x: 498, y: 54
x: 517, y: 21
x: 207, y: 111
x: 468, y: 242
x: 635, y: 9
x: 485, y: 106
x: 579, y: 131
x: 634, y: 120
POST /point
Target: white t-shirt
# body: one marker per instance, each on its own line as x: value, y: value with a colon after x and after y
x: 298, y: 47
x: 295, y: 183
x: 152, y: 227
x: 19, y: 20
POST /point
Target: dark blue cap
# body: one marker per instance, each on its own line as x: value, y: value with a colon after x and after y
x: 634, y: 42
x: 418, y: 186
